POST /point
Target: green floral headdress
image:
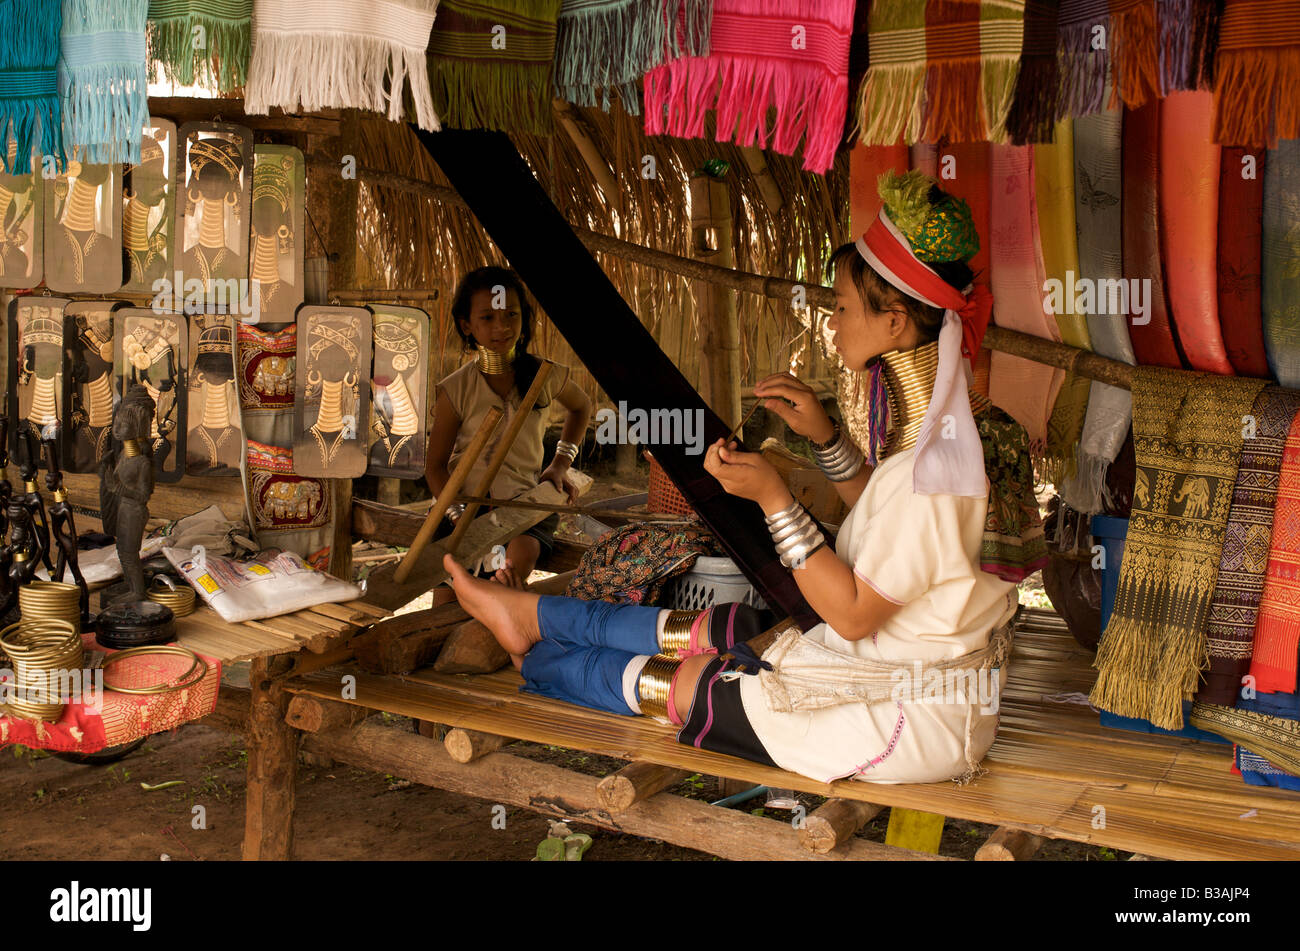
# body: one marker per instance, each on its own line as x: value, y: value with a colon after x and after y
x: 936, y: 231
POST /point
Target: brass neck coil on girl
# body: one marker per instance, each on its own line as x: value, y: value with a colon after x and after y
x: 494, y: 362
x: 909, y: 381
x: 654, y: 684
x: 677, y: 631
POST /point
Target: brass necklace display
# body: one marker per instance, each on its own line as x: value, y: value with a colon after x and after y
x: 50, y: 600
x: 196, y: 672
x: 37, y: 649
x: 179, y: 598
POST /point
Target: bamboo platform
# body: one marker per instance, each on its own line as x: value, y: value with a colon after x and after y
x: 317, y: 630
x: 1054, y: 772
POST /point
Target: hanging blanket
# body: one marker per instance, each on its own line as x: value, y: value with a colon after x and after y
x: 1189, y: 217
x: 1257, y: 73
x: 1188, y: 33
x: 1153, y: 341
x: 788, y: 55
x: 103, y: 79
x: 634, y: 564
x: 1187, y: 436
x: 970, y: 165
x: 1275, y: 738
x: 603, y: 45
x: 1025, y: 389
x: 202, y: 42
x: 339, y: 54
x: 1277, y: 633
x: 1235, y: 608
x: 490, y: 64
x: 1280, y: 262
x: 1241, y: 210
x: 30, y: 108
x: 1032, y: 114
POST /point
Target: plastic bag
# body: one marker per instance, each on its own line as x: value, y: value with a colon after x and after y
x: 273, y: 583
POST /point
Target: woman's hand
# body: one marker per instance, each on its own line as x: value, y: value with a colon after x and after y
x: 557, y: 476
x: 747, y: 475
x: 806, y: 417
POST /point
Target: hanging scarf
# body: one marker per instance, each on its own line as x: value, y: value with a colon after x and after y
x: 1025, y: 389
x: 1013, y: 546
x: 1277, y: 633
x: 1235, y: 608
x: 1054, y: 196
x: 1257, y: 73
x: 1083, y: 67
x: 610, y: 44
x: 103, y: 79
x: 1153, y: 341
x: 221, y: 61
x: 30, y: 108
x: 337, y: 54
x: 480, y: 84
x: 1276, y: 738
x: 791, y: 56
x: 1241, y: 210
x: 891, y: 98
x: 1187, y: 439
x: 1099, y: 214
x: 1188, y: 34
x: 1033, y: 108
x: 1189, y: 212
x: 1280, y: 262
x: 1105, y: 44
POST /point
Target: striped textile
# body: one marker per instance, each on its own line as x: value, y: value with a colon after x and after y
x: 1277, y: 632
x: 1032, y: 115
x: 31, y: 113
x: 103, y: 79
x: 220, y: 61
x: 1188, y: 33
x: 790, y: 56
x: 491, y: 64
x: 1239, y: 264
x: 1257, y: 73
x: 1275, y: 738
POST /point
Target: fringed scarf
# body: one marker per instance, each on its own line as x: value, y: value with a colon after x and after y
x: 1189, y: 30
x: 1187, y: 437
x: 1054, y: 195
x: 103, y: 78
x: 1025, y: 389
x: 1280, y: 262
x: 1099, y: 214
x: 1235, y: 607
x: 216, y: 56
x: 1241, y: 211
x: 1275, y: 738
x: 1257, y: 73
x: 1013, y: 546
x: 337, y: 54
x: 1032, y: 115
x: 1189, y: 213
x: 603, y: 45
x: 1107, y: 43
x: 1153, y: 341
x: 943, y: 69
x: 490, y: 64
x: 1277, y: 632
x: 30, y: 109
x: 791, y: 56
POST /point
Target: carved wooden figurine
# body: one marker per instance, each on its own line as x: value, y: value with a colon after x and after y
x: 126, y: 482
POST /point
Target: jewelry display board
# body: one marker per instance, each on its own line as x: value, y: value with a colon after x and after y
x: 399, y: 388
x: 22, y: 212
x: 36, y: 398
x: 88, y: 382
x: 83, y: 229
x: 215, y: 175
x: 275, y: 264
x: 214, y: 442
x: 148, y: 211
x: 152, y: 349
x: 332, y: 402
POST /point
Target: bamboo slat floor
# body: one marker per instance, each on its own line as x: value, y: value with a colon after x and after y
x: 1053, y: 771
x: 316, y: 629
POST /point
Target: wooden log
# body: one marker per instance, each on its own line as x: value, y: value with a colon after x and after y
x: 458, y: 477
x: 402, y: 643
x: 1041, y: 350
x: 312, y: 714
x: 470, y: 648
x: 498, y: 457
x: 465, y: 746
x: 272, y: 765
x: 182, y: 109
x: 562, y: 794
x: 1009, y: 845
x: 634, y: 782
x: 835, y: 823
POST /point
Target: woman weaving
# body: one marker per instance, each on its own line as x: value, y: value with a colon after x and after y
x: 903, y: 589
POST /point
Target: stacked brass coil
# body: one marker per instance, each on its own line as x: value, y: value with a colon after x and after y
x: 50, y: 600
x: 655, y: 683
x: 43, y: 653
x: 196, y: 672
x: 180, y: 599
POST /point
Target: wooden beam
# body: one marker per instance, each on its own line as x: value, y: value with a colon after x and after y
x: 562, y: 794
x: 182, y: 109
x: 634, y: 782
x: 272, y: 765
x: 835, y: 823
x: 312, y: 714
x: 1009, y: 845
x: 465, y: 746
x: 1041, y: 350
x: 712, y: 242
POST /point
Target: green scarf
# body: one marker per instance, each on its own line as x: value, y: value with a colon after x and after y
x: 202, y: 42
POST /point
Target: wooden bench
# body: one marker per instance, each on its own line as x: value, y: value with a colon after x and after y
x: 1053, y: 772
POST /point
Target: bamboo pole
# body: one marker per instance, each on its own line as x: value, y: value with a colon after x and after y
x: 499, y: 454
x: 712, y: 241
x: 592, y: 511
x: 472, y: 452
x: 576, y: 127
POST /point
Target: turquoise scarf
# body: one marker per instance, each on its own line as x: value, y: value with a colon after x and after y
x: 29, y: 93
x: 103, y: 79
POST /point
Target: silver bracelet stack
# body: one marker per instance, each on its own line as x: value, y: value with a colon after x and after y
x: 795, y: 534
x: 568, y: 450
x: 455, y: 511
x: 839, y: 459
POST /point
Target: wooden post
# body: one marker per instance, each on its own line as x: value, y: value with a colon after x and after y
x: 836, y: 822
x: 634, y: 782
x: 711, y: 241
x: 465, y: 746
x: 579, y: 133
x: 915, y: 830
x: 1009, y: 845
x: 272, y: 764
x: 756, y: 162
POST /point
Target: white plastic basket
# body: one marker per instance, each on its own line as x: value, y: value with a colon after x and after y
x: 712, y: 581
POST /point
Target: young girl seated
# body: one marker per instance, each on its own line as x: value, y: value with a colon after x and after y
x: 902, y: 593
x: 494, y: 318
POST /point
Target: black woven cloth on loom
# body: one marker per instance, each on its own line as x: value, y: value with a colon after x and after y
x: 608, y: 337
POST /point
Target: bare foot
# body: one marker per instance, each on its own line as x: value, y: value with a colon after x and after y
x: 510, y: 615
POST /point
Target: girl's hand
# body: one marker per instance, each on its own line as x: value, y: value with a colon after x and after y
x: 806, y: 417
x: 747, y: 475
x: 556, y: 475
